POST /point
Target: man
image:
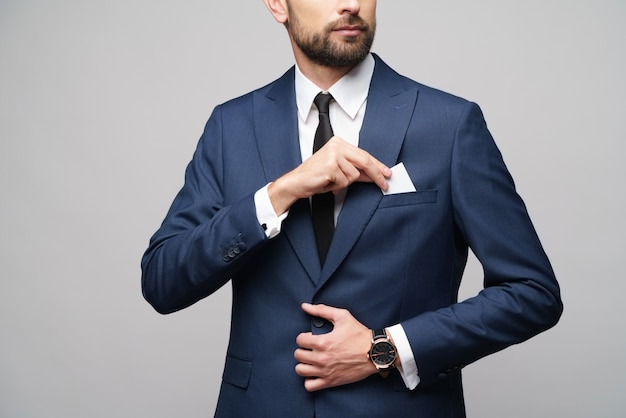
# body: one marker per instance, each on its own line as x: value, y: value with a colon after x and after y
x: 359, y: 319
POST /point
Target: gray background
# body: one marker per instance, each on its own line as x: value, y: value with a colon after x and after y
x: 102, y: 103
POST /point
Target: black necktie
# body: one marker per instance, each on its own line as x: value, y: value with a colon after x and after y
x: 323, y: 205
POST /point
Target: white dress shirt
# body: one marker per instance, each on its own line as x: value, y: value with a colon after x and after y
x: 346, y: 113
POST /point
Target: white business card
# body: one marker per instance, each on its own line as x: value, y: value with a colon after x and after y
x: 399, y: 182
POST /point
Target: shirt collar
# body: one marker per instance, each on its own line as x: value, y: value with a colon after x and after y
x: 350, y: 92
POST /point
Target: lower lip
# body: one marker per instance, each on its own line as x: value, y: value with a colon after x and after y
x: 349, y: 32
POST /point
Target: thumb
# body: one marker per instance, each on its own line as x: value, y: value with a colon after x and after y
x: 320, y: 310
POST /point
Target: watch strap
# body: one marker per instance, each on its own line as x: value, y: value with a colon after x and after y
x: 378, y: 333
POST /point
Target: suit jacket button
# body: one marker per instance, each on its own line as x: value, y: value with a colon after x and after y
x: 318, y: 322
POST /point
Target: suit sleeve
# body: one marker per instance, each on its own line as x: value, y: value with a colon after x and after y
x: 202, y: 241
x: 521, y: 296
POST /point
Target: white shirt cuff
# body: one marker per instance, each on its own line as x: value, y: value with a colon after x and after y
x: 408, y: 366
x: 265, y: 214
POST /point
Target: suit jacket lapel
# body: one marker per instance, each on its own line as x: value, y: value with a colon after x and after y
x: 276, y: 127
x: 390, y: 106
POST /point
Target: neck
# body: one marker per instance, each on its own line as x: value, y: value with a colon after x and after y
x: 322, y: 76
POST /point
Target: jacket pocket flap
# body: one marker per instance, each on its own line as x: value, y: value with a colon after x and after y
x: 237, y: 372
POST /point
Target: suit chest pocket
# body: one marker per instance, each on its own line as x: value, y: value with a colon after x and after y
x: 419, y: 197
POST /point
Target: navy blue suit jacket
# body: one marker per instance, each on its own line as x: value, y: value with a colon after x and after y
x: 393, y: 259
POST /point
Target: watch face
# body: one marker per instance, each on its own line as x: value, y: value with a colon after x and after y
x: 383, y: 353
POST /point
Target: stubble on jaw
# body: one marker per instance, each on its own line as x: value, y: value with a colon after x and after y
x: 321, y: 49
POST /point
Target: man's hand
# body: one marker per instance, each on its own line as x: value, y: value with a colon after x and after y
x: 333, y: 168
x: 337, y: 358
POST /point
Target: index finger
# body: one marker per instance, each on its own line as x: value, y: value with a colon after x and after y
x: 371, y: 169
x: 305, y: 340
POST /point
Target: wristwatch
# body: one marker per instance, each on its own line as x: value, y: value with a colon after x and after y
x: 383, y: 352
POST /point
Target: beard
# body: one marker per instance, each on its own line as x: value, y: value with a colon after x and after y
x: 319, y: 47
